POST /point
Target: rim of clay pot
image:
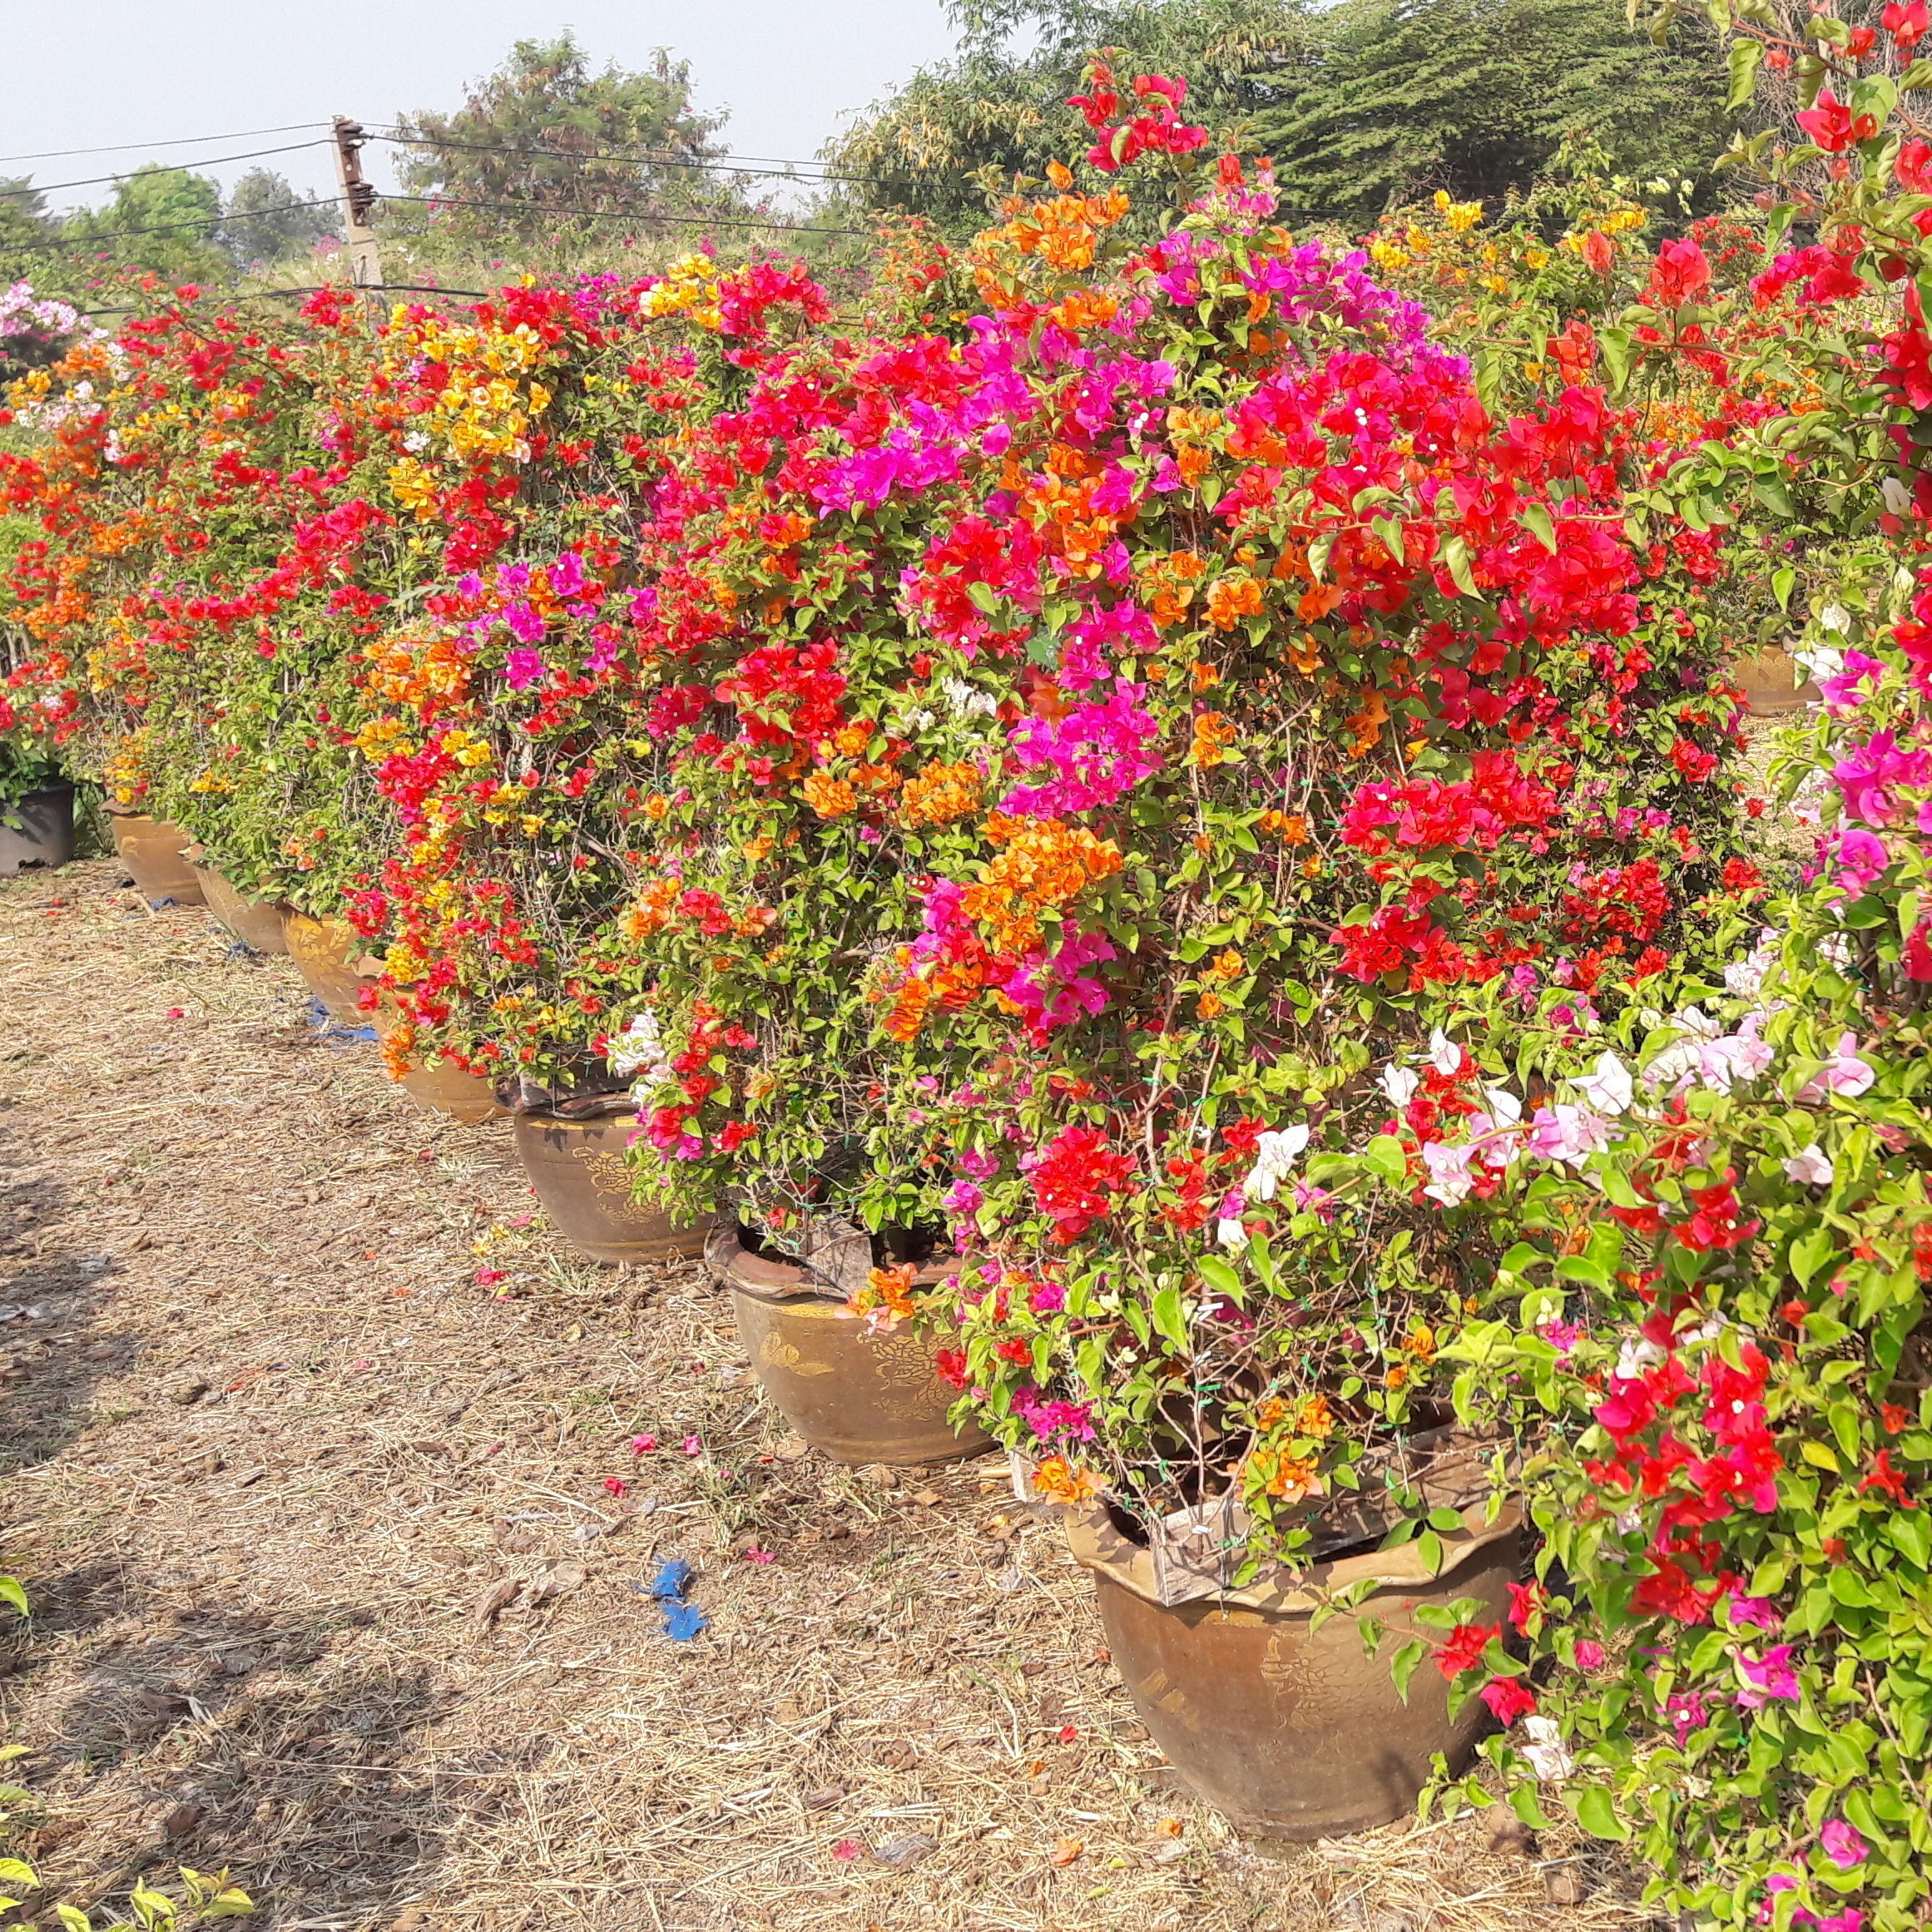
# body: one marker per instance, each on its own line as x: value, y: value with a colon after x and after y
x: 772, y: 1278
x: 1099, y: 1544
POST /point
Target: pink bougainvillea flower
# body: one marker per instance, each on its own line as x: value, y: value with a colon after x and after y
x: 1768, y: 1677
x: 1843, y: 1845
x: 1844, y: 1074
x: 642, y: 1444
x: 693, y: 1445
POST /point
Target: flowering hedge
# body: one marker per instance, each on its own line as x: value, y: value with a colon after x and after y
x: 1196, y: 786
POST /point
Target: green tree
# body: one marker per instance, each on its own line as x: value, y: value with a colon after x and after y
x: 25, y: 232
x: 1475, y: 96
x: 957, y: 135
x: 265, y: 219
x: 160, y: 219
x: 1358, y: 104
x: 547, y: 141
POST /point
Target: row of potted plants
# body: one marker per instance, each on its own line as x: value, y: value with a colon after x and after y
x: 1151, y: 837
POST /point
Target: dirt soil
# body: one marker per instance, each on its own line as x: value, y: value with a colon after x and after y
x: 331, y: 1586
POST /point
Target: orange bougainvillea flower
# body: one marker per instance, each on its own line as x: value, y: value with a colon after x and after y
x: 886, y: 1299
x: 940, y: 794
x: 829, y: 797
x: 1213, y: 733
x: 1058, y: 1481
x: 909, y: 1010
x: 1232, y: 598
x: 1046, y: 864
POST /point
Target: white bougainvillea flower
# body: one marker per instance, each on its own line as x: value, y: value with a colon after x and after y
x: 640, y: 1049
x: 1444, y: 1055
x: 1607, y: 1087
x: 1449, y: 1176
x: 1810, y: 1166
x: 1275, y: 1158
x: 1843, y: 1073
x: 1746, y: 977
x: 1567, y: 1133
x: 1400, y: 1083
x: 1549, y: 1756
x: 1230, y: 1234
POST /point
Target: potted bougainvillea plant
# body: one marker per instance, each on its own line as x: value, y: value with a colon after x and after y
x: 1709, y: 1222
x: 1335, y: 692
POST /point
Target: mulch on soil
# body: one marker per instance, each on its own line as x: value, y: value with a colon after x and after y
x: 330, y: 1587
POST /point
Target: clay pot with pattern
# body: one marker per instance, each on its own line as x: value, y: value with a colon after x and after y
x: 467, y: 1098
x: 151, y: 849
x: 856, y: 1395
x: 1291, y: 1731
x: 38, y: 832
x: 577, y: 1167
x: 334, y: 961
x: 1774, y: 683
x: 257, y: 923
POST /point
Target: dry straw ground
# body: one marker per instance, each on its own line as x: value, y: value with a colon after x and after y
x: 272, y: 1453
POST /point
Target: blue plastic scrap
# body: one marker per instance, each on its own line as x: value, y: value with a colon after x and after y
x: 682, y: 1621
x: 328, y: 1028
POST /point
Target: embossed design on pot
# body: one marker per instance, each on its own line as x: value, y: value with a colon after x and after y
x: 578, y: 1171
x: 152, y: 849
x: 1289, y: 1731
x: 328, y: 953
x: 858, y: 1396
x: 257, y: 923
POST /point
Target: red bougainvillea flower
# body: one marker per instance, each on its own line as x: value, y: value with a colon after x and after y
x: 1834, y: 127
x: 1508, y: 1698
x: 1462, y: 1649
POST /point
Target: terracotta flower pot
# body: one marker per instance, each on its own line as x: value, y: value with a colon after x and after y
x: 445, y: 1089
x: 38, y: 834
x: 858, y: 1396
x: 257, y: 923
x: 578, y: 1171
x: 1293, y: 1731
x: 1774, y: 683
x: 328, y: 953
x: 152, y: 849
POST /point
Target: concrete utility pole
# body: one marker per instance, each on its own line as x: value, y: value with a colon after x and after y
x: 365, y: 268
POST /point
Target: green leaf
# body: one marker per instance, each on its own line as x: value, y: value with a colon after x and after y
x: 1383, y: 1156
x: 1597, y: 1816
x: 10, y: 1593
x: 1911, y: 1536
x: 1523, y: 1802
x: 1784, y: 579
x: 1169, y: 1317
x: 1221, y: 1277
x: 1918, y: 75
x: 1538, y: 522
x: 1429, y: 1547
x: 1402, y: 1665
x: 1745, y: 56
x: 1455, y: 560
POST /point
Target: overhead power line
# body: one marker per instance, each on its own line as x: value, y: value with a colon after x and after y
x: 186, y: 140
x: 321, y: 289
x: 625, y: 215
x: 442, y: 202
x: 164, y: 228
x: 725, y: 164
x: 128, y: 173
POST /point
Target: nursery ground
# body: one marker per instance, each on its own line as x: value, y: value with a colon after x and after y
x: 329, y: 1586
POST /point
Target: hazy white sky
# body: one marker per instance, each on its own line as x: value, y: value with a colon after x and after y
x: 83, y: 73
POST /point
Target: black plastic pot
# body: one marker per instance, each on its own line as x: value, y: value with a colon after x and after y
x: 38, y: 834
